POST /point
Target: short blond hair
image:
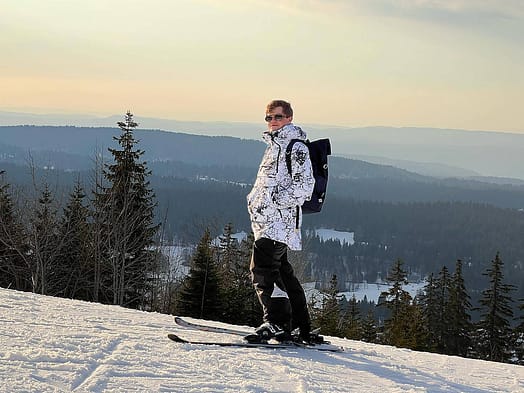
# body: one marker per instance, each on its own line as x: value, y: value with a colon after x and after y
x: 286, y: 107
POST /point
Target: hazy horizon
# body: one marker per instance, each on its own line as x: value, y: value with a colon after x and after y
x: 13, y: 118
x: 443, y: 151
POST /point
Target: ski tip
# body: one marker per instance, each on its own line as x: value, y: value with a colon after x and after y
x: 330, y: 348
x: 174, y: 337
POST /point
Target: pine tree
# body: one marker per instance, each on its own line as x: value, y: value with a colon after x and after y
x: 519, y: 335
x: 441, y: 329
x: 45, y: 246
x: 445, y: 304
x: 254, y: 311
x: 430, y: 312
x: 417, y: 331
x: 327, y: 318
x: 237, y: 290
x: 14, y: 271
x: 200, y: 296
x: 353, y: 326
x: 495, y: 335
x: 125, y: 213
x: 398, y: 325
x: 228, y: 249
x: 228, y: 261
x: 459, y: 331
x: 75, y: 260
x: 369, y: 328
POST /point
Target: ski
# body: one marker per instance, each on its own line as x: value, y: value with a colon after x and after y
x: 181, y: 340
x: 244, y: 333
x: 270, y: 345
x: 249, y: 333
x: 213, y: 329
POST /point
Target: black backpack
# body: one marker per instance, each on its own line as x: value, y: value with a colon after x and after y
x: 318, y: 152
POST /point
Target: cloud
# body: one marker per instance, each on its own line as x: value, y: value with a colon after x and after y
x: 502, y: 19
x: 466, y: 11
x: 437, y: 10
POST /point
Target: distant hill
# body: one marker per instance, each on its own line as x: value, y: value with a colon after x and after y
x: 232, y: 159
x: 424, y: 168
x: 429, y: 151
x: 485, y: 153
x: 158, y: 145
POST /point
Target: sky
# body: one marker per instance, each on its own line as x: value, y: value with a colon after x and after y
x: 63, y: 345
x: 421, y: 63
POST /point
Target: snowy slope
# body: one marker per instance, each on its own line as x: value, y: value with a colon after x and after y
x: 57, y: 345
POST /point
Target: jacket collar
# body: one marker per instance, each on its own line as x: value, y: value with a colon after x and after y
x: 284, y: 134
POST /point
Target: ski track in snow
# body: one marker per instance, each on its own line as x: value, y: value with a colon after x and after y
x: 59, y: 345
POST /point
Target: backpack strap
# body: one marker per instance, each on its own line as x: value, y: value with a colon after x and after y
x: 289, y: 150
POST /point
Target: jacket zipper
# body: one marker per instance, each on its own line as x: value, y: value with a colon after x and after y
x: 279, y: 148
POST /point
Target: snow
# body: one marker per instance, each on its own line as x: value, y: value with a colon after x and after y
x: 372, y: 291
x: 239, y: 237
x: 178, y: 257
x: 58, y: 345
x: 332, y: 234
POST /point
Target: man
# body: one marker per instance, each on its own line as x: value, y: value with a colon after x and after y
x: 274, y: 206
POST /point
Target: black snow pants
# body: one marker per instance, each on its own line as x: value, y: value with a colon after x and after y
x: 279, y: 291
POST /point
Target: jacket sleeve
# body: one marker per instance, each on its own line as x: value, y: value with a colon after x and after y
x: 294, y: 189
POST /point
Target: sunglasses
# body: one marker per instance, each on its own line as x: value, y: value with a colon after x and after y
x: 279, y: 117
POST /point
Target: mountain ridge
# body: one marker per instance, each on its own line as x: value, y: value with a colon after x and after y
x: 470, y: 150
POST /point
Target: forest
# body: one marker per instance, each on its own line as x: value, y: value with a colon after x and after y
x: 97, y: 235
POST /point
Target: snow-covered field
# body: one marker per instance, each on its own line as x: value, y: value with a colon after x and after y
x: 372, y: 291
x: 332, y: 234
x: 58, y: 345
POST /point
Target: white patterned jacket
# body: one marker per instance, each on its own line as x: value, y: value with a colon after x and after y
x: 274, y: 203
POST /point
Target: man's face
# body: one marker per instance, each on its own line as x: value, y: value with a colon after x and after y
x: 276, y: 119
